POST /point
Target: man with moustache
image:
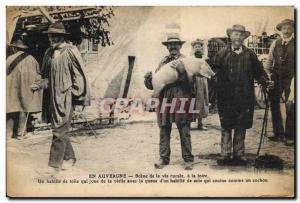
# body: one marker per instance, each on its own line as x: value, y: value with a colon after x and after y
x: 66, y: 88
x: 236, y: 68
x: 180, y: 89
x: 281, y: 67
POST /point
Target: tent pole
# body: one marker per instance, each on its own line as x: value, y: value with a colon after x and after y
x: 131, y: 60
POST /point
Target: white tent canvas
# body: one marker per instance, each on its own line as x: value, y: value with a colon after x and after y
x: 138, y: 31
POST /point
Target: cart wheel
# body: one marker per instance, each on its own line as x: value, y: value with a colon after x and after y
x: 259, y: 97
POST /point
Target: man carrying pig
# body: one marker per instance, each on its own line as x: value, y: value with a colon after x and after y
x: 165, y: 117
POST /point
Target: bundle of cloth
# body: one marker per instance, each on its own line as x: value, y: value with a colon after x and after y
x: 168, y: 73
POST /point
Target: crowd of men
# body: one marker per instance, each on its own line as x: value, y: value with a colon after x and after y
x: 236, y: 67
x: 59, y: 86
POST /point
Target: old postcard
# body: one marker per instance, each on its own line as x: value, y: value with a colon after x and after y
x: 140, y: 101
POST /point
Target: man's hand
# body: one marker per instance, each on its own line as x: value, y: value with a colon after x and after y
x: 174, y: 64
x: 178, y: 65
x: 35, y: 87
x: 39, y: 84
x: 148, y: 80
x: 148, y: 75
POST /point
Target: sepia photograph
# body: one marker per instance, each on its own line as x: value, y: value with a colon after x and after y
x: 150, y: 101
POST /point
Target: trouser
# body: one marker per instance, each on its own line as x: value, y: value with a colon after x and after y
x: 200, y: 124
x: 290, y: 121
x: 185, y: 140
x: 61, y: 147
x: 15, y: 124
x: 280, y: 87
x: 237, y: 144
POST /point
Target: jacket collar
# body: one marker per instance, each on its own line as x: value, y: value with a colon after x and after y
x: 287, y: 40
x: 229, y: 48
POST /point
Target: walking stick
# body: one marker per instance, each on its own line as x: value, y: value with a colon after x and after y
x: 265, y: 123
x: 25, y: 125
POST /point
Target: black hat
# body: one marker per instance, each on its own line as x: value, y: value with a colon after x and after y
x: 238, y: 28
x: 56, y: 28
x: 19, y: 44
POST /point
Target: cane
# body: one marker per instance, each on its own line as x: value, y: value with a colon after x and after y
x: 265, y: 122
x: 25, y: 125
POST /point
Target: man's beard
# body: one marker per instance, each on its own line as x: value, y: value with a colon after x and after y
x: 174, y: 51
x: 198, y: 54
x: 55, y: 42
x: 237, y: 43
x: 286, y: 35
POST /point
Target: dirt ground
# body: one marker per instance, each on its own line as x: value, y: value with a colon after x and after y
x: 133, y: 147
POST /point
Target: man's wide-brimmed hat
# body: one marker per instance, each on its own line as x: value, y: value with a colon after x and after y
x: 238, y: 28
x: 56, y: 28
x: 19, y: 44
x: 285, y: 22
x: 173, y: 37
x: 197, y: 41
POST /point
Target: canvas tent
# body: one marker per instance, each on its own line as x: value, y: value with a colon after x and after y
x: 138, y: 31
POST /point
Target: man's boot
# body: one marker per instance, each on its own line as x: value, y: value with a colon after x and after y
x: 188, y: 165
x: 200, y: 125
x: 68, y: 164
x: 290, y: 142
x: 239, y: 161
x: 161, y: 164
x: 276, y: 138
x: 226, y: 160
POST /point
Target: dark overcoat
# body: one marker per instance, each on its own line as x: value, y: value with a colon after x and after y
x: 235, y: 75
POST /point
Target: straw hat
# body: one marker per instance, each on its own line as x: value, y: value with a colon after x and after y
x: 172, y: 37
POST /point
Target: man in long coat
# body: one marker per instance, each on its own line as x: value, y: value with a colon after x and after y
x: 236, y: 68
x: 200, y: 87
x: 22, y: 71
x: 281, y: 67
x: 67, y: 86
x: 179, y: 89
